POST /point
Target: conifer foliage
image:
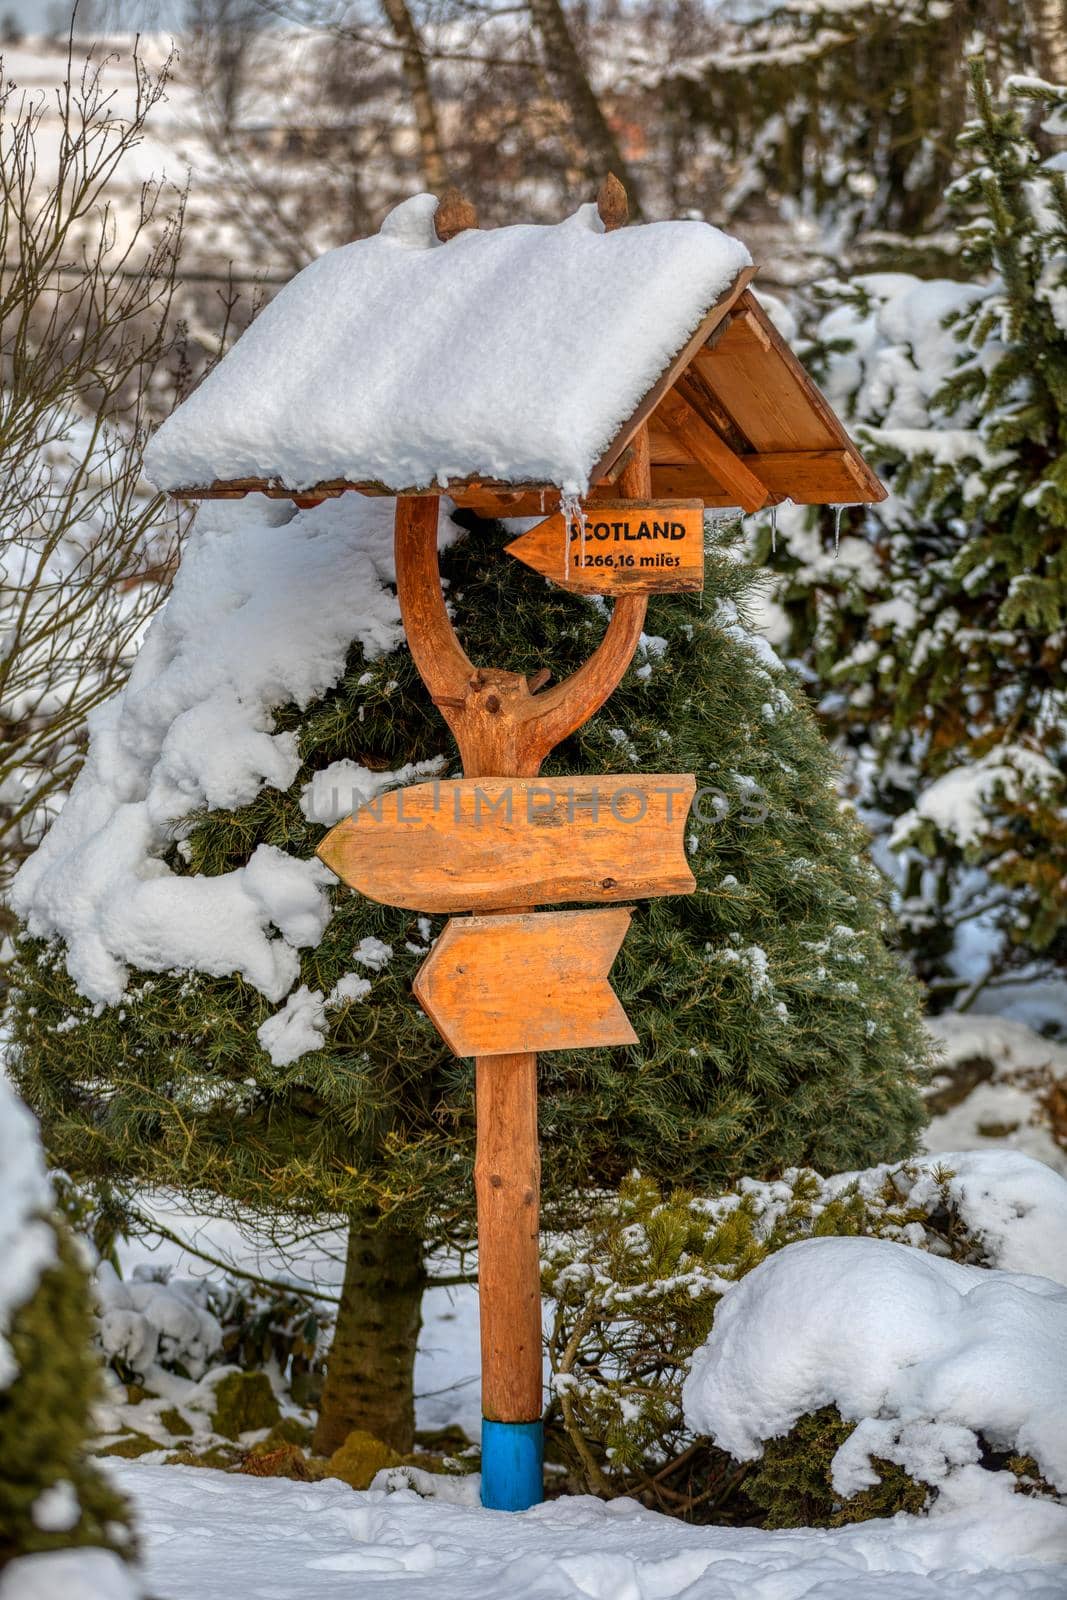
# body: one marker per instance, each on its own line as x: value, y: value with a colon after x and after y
x: 945, y: 628
x: 51, y: 1497
x: 849, y: 109
x: 774, y: 1026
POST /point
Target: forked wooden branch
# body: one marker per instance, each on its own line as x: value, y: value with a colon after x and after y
x: 504, y: 729
x: 501, y: 727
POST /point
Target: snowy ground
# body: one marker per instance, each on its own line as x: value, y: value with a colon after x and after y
x: 1002, y: 1086
x: 210, y: 1536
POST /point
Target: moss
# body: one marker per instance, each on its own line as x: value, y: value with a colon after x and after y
x: 220, y: 1456
x: 290, y: 1430
x: 129, y: 1446
x: 450, y: 1441
x: 45, y: 1418
x: 175, y: 1424
x: 360, y: 1457
x: 244, y: 1402
x: 791, y: 1483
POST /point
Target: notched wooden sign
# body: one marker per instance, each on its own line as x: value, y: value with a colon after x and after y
x: 535, y: 981
x: 478, y: 844
x: 620, y: 547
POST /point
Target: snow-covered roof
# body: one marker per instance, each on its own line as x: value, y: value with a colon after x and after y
x: 515, y: 354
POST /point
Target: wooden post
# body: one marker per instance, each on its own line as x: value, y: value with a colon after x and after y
x: 505, y: 731
x: 507, y: 1182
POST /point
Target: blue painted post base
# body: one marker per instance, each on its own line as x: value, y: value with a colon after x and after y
x: 512, y: 1465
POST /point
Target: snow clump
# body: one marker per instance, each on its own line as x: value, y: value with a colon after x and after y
x: 932, y: 1359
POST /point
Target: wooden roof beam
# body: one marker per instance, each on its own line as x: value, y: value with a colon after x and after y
x: 710, y: 452
x: 665, y: 382
x: 693, y: 483
x: 807, y: 477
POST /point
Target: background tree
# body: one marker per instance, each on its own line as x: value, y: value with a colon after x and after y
x: 218, y: 53
x: 506, y: 103
x: 775, y: 1028
x: 87, y: 548
x: 847, y: 116
x: 1046, y: 26
x: 940, y: 634
x: 600, y: 151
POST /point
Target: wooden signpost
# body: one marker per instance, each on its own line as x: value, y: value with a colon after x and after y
x: 501, y: 987
x: 730, y: 419
x: 495, y: 986
x: 644, y: 547
x: 479, y: 843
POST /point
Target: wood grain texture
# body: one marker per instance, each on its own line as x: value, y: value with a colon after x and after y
x: 704, y: 331
x: 671, y: 481
x: 454, y: 214
x: 612, y: 203
x: 507, y: 1183
x: 808, y: 477
x: 501, y: 728
x: 624, y: 547
x: 482, y: 844
x: 705, y: 447
x: 754, y: 374
x: 499, y: 743
x: 527, y: 982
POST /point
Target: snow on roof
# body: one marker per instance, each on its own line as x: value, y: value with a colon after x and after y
x: 514, y: 354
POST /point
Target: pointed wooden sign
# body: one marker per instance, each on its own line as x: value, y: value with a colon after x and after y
x: 625, y: 546
x: 479, y: 844
x: 535, y: 981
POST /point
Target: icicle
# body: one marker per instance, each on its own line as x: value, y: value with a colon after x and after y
x: 571, y: 510
x: 774, y: 530
x: 838, y: 513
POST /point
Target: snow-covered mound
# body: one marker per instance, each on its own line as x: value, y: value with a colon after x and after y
x: 211, y: 1536
x: 924, y: 1354
x: 257, y: 618
x: 147, y: 1320
x: 516, y: 353
x: 1013, y: 1207
x: 69, y: 1575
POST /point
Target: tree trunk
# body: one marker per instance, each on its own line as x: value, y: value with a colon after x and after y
x: 413, y: 58
x: 567, y: 73
x: 371, y: 1365
x: 1046, y: 27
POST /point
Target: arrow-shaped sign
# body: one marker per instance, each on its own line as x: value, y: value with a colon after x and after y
x: 536, y: 981
x: 479, y: 844
x: 621, y: 547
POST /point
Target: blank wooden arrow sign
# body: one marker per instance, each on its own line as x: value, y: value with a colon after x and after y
x: 635, y: 547
x: 535, y: 981
x: 478, y: 844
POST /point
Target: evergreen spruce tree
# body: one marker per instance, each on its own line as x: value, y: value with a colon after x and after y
x: 941, y: 632
x: 774, y: 1026
x: 846, y: 116
x: 51, y: 1496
